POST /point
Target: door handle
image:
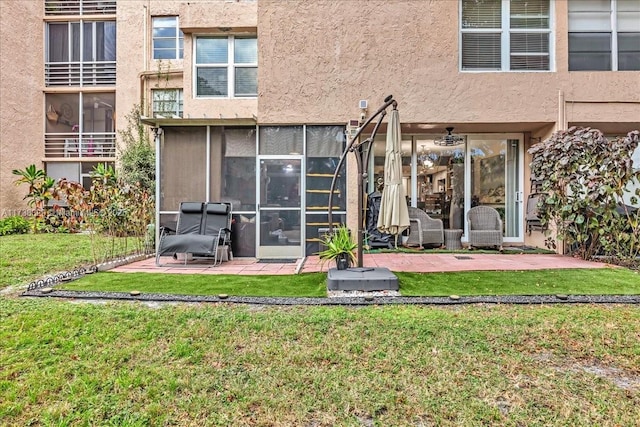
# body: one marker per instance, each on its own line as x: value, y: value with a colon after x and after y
x: 519, y: 196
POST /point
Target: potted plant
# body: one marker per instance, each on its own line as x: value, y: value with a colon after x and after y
x: 339, y: 247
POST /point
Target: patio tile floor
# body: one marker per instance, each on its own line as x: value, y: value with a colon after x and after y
x: 419, y: 263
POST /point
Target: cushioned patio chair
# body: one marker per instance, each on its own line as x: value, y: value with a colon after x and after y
x: 424, y: 230
x: 485, y: 227
x: 203, y: 230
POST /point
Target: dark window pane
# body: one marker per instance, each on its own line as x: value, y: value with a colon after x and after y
x: 58, y: 42
x: 589, y: 51
x: 629, y: 51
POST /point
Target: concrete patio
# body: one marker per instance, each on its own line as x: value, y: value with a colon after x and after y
x: 398, y: 262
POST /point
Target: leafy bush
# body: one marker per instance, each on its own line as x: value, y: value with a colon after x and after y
x: 41, y: 189
x: 137, y: 164
x: 14, y: 225
x: 585, y: 177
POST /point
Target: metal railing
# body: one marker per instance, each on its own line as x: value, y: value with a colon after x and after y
x: 99, y: 73
x: 94, y: 144
x: 80, y: 7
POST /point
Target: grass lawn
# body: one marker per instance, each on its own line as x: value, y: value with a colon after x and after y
x: 609, y: 281
x: 124, y: 364
x: 25, y: 257
x: 302, y: 285
x: 129, y: 364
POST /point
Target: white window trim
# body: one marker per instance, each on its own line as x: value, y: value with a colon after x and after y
x: 505, y: 41
x: 178, y: 38
x: 613, y: 15
x: 230, y: 66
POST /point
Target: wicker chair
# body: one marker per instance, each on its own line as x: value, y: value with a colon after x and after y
x: 424, y: 230
x: 485, y: 227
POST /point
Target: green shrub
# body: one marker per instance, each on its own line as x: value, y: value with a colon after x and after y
x: 14, y: 225
x: 585, y: 178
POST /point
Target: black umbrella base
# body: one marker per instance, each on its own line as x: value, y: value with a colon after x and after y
x: 362, y: 279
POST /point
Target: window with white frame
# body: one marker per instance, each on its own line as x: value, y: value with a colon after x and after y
x: 80, y: 53
x: 505, y: 35
x: 168, y: 39
x: 226, y: 66
x: 167, y: 102
x: 604, y: 35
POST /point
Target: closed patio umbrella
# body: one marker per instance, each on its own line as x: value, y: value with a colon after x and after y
x: 394, y: 215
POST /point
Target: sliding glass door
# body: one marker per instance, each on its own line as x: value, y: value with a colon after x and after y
x: 495, y: 179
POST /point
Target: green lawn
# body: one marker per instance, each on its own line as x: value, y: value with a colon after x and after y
x: 124, y: 364
x: 129, y: 364
x: 600, y: 281
x: 302, y: 285
x: 25, y: 257
x: 607, y: 281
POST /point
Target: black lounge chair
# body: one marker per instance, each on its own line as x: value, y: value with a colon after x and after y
x: 203, y: 230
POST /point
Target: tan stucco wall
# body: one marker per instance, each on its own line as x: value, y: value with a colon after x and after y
x: 319, y: 58
x: 21, y: 98
x: 196, y: 17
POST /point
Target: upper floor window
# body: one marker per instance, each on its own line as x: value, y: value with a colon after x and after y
x: 168, y: 39
x: 80, y: 7
x: 226, y: 66
x: 81, y: 53
x: 604, y: 35
x: 505, y: 35
x: 168, y: 102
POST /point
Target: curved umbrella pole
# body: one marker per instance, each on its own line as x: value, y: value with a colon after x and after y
x: 357, y: 149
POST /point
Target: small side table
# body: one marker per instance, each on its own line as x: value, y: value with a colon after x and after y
x: 452, y: 238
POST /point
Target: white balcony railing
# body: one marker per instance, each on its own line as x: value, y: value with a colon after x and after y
x: 80, y: 7
x: 102, y: 73
x: 93, y: 144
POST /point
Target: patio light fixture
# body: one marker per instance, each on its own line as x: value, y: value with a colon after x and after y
x: 449, y: 139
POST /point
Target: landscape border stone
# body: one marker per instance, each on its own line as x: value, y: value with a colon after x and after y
x: 340, y: 301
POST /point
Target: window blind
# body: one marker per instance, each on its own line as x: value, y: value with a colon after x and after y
x: 589, y: 15
x: 529, y: 14
x: 523, y: 43
x: 481, y: 14
x: 481, y: 51
x: 628, y: 16
x: 245, y: 51
x: 212, y: 81
x: 529, y: 51
x: 212, y: 50
x: 246, y: 81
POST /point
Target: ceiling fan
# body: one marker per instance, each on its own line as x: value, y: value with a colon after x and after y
x: 449, y: 139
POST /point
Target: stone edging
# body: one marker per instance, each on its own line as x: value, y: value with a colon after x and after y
x: 66, y: 276
x: 339, y: 301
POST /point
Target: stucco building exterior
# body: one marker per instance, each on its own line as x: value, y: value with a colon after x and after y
x: 252, y: 102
